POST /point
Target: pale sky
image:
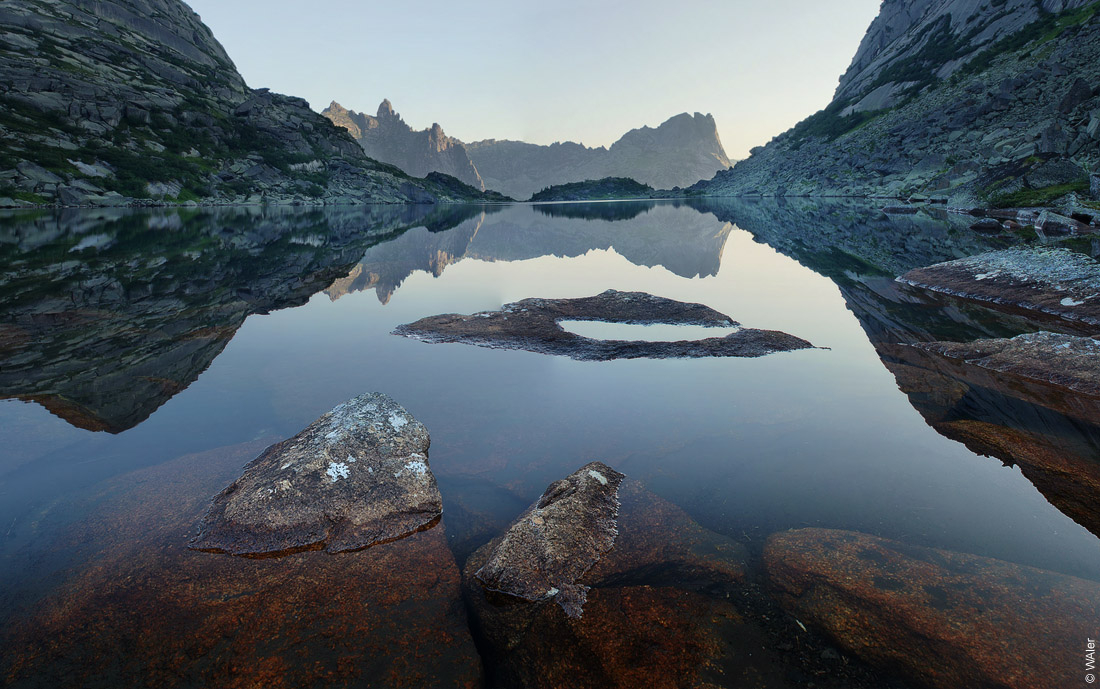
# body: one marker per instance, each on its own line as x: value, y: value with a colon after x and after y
x: 570, y: 70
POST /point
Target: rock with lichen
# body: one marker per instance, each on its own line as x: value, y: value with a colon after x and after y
x: 355, y: 477
x: 558, y: 539
x: 1053, y: 281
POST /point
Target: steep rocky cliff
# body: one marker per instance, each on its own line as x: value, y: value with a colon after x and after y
x: 387, y: 138
x: 106, y: 101
x: 966, y: 100
x: 678, y: 153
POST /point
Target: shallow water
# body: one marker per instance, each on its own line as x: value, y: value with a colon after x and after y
x: 210, y: 334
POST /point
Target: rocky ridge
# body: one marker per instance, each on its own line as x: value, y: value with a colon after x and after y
x: 118, y: 102
x: 387, y: 138
x: 962, y: 101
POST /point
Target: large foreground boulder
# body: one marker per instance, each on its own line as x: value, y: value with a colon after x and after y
x: 533, y: 325
x: 355, y: 477
x: 142, y: 610
x: 657, y: 610
x: 1054, y: 281
x: 947, y: 619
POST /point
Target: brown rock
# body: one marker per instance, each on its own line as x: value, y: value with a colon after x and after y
x: 1055, y: 358
x: 532, y: 325
x: 355, y: 477
x: 1054, y: 281
x: 557, y: 540
x: 657, y: 612
x: 143, y: 610
x: 948, y: 619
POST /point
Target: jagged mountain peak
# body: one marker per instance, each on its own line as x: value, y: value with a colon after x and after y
x: 385, y: 109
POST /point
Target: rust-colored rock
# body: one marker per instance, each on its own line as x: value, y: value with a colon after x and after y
x: 143, y: 610
x: 355, y: 477
x: 947, y: 619
x: 657, y: 612
x: 532, y: 325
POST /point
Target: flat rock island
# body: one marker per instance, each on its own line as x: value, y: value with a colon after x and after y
x: 534, y: 325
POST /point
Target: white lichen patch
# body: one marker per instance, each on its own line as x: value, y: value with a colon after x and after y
x: 398, y: 421
x: 337, y: 471
x: 416, y: 464
x: 352, y: 459
x: 598, y: 476
x: 1070, y: 301
x: 551, y: 592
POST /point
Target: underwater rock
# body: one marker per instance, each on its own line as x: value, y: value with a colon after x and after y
x: 557, y: 540
x: 532, y: 325
x: 355, y: 477
x: 657, y: 610
x: 1054, y: 281
x: 948, y: 619
x: 144, y: 611
x: 1055, y: 358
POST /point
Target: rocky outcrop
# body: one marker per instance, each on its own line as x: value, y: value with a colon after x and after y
x: 679, y: 152
x: 557, y: 540
x: 387, y: 138
x: 657, y: 610
x: 355, y: 477
x: 948, y: 619
x: 532, y: 325
x: 102, y: 328
x: 600, y: 189
x: 1052, y: 281
x: 1063, y: 360
x: 134, y: 101
x: 144, y: 610
x: 963, y: 101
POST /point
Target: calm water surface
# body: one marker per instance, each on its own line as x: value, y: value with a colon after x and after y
x: 212, y: 334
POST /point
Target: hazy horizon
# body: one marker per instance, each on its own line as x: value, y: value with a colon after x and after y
x: 541, y: 75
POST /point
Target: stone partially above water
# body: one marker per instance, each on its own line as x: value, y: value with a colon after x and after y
x: 355, y: 477
x: 1055, y: 358
x: 1055, y: 281
x: 948, y: 619
x: 558, y: 539
x: 533, y: 325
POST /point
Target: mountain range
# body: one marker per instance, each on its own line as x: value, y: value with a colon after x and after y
x: 680, y: 152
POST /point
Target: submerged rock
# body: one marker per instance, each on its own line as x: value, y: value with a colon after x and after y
x: 144, y: 611
x: 355, y: 477
x: 657, y: 612
x: 558, y: 539
x: 1054, y: 281
x: 532, y: 325
x: 1055, y: 358
x: 949, y: 619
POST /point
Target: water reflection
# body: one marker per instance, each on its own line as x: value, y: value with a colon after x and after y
x: 108, y: 317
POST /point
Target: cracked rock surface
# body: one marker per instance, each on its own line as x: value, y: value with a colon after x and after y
x: 355, y: 477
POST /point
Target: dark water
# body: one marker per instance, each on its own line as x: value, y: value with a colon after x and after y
x: 171, y: 347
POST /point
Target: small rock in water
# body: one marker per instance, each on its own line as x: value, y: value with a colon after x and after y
x: 355, y: 477
x: 533, y: 325
x: 558, y: 539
